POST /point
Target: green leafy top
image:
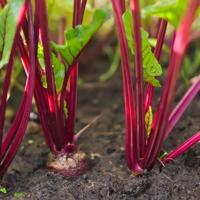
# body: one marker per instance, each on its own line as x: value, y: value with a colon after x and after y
x: 76, y: 39
x: 171, y: 10
x: 19, y: 195
x: 151, y: 67
x: 58, y: 67
x: 3, y: 190
x: 8, y: 23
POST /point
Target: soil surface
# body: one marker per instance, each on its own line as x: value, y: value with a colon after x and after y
x: 108, y: 176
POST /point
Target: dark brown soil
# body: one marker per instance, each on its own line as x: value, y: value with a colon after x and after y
x: 108, y: 176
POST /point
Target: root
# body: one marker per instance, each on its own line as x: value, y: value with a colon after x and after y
x: 70, y: 165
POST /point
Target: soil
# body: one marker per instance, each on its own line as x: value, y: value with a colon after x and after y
x: 108, y: 176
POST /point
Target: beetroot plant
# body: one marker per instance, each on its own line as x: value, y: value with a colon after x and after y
x: 145, y: 133
x: 55, y: 89
x: 12, y: 17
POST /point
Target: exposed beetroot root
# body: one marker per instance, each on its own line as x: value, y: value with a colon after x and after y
x: 70, y: 165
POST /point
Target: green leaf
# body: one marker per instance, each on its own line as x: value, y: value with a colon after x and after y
x: 3, y: 190
x: 78, y: 37
x: 59, y: 72
x: 151, y: 67
x: 153, y: 42
x: 8, y: 23
x: 171, y: 10
x: 41, y: 56
x: 18, y: 194
x: 58, y: 68
x: 163, y: 154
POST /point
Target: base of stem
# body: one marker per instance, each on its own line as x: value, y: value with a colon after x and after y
x: 70, y: 165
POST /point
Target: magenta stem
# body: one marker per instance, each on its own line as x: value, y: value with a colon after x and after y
x: 76, y: 13
x: 182, y: 148
x: 6, y: 84
x: 51, y: 89
x: 79, y: 9
x: 83, y: 5
x: 123, y: 6
x: 157, y: 52
x: 139, y: 81
x: 28, y: 94
x: 182, y: 106
x: 3, y: 2
x: 157, y: 136
x: 40, y: 97
x: 131, y: 150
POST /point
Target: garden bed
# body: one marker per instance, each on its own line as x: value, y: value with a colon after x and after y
x: 107, y: 176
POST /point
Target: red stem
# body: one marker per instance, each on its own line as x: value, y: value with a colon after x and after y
x: 182, y: 148
x: 76, y: 13
x: 41, y: 93
x: 180, y: 43
x: 3, y: 2
x: 181, y: 107
x: 79, y: 8
x: 51, y: 89
x: 6, y: 84
x: 139, y: 81
x: 28, y: 94
x: 40, y: 97
x: 72, y: 102
x: 131, y: 151
x: 83, y: 5
x: 123, y: 5
x: 157, y: 52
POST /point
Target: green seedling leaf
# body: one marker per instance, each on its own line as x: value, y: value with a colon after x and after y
x: 8, y: 23
x: 41, y: 56
x: 18, y: 194
x: 78, y: 37
x: 163, y: 154
x: 3, y: 190
x: 148, y: 121
x: 151, y: 67
x: 153, y: 42
x: 44, y: 81
x: 169, y: 10
x: 59, y: 72
x: 42, y: 64
x: 58, y: 67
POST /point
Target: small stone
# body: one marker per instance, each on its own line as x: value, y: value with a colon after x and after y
x: 122, y: 149
x: 95, y: 155
x: 85, y: 176
x: 30, y: 141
